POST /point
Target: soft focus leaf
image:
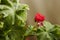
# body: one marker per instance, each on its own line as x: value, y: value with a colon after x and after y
x: 45, y: 36
x: 29, y: 30
x: 6, y: 2
x: 1, y: 24
x: 48, y: 25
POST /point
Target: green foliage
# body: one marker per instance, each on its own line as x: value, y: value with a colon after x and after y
x: 29, y: 30
x: 13, y: 16
x: 48, y: 32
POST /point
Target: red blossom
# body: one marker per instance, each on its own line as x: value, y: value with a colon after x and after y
x: 39, y: 18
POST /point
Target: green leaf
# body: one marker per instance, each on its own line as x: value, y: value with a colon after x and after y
x: 16, y: 34
x: 57, y: 31
x: 1, y: 24
x: 9, y: 14
x: 22, y: 12
x: 6, y: 2
x: 7, y: 38
x: 22, y: 15
x: 4, y: 7
x: 29, y: 30
x: 15, y: 1
x: 45, y: 36
x: 22, y: 7
x: 48, y: 26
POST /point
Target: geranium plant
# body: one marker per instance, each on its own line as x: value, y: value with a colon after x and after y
x: 13, y: 26
x: 12, y: 19
x: 44, y: 30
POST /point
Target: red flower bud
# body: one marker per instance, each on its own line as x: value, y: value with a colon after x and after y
x: 39, y: 17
